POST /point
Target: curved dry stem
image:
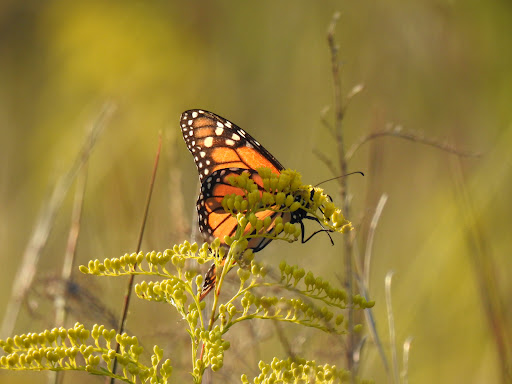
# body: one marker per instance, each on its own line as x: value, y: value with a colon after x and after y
x: 397, y: 131
x: 369, y: 243
x: 44, y: 224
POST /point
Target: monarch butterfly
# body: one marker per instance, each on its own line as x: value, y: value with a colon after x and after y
x: 221, y: 149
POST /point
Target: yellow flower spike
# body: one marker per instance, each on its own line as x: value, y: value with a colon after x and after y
x: 317, y: 196
x: 296, y: 205
x: 267, y: 222
x: 266, y: 184
x: 283, y: 182
x: 267, y: 199
x: 336, y: 223
x: 224, y: 203
x: 215, y: 244
x: 243, y: 275
x: 329, y: 209
x: 289, y: 200
x: 280, y: 198
x: 230, y: 202
x: 264, y: 172
x: 228, y: 240
x: 244, y: 205
x: 239, y: 246
x: 347, y: 228
x: 296, y: 183
x: 297, y: 233
x: 242, y: 220
x: 279, y: 228
x: 259, y: 225
x: 252, y: 219
x: 242, y: 181
x: 251, y: 186
x: 254, y: 197
x: 248, y: 255
x: 232, y: 180
x: 273, y: 184
x: 289, y: 228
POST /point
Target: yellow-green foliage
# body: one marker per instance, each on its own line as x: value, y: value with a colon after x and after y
x: 299, y: 371
x: 73, y: 350
x: 310, y: 301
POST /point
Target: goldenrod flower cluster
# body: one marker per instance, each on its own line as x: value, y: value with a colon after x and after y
x: 63, y: 349
x: 271, y: 206
x: 318, y: 288
x: 284, y: 195
x: 300, y: 371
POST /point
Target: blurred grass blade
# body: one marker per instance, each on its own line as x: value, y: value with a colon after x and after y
x: 44, y: 223
x: 485, y: 268
x: 391, y: 324
x: 405, y: 369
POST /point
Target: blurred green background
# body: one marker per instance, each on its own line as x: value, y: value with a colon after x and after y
x: 440, y: 69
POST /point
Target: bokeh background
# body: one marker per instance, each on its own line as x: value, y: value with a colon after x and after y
x: 440, y: 70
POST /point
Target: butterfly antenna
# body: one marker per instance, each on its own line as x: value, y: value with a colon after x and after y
x: 339, y: 177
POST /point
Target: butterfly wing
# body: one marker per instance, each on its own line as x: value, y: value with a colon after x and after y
x: 221, y: 149
x: 217, y: 143
x: 215, y: 222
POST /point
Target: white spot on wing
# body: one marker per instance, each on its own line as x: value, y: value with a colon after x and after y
x: 235, y: 137
x: 230, y: 142
x: 208, y: 142
x: 219, y: 131
x: 194, y: 114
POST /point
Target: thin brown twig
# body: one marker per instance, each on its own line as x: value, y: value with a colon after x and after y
x: 69, y: 260
x: 129, y: 286
x: 45, y: 220
x: 70, y: 256
x: 284, y: 341
x: 348, y: 240
x: 327, y: 161
x: 325, y: 122
x: 397, y: 131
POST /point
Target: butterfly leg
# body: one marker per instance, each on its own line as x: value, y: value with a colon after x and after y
x: 314, y: 233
